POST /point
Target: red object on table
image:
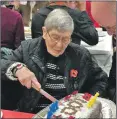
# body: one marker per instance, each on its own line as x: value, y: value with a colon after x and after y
x: 7, y: 114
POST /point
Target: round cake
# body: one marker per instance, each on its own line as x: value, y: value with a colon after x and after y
x: 76, y: 106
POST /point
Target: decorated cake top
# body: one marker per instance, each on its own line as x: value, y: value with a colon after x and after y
x: 74, y: 106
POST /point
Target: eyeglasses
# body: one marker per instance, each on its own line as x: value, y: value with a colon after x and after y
x: 65, y: 41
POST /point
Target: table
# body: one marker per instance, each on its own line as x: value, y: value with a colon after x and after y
x: 102, y: 52
x: 7, y: 114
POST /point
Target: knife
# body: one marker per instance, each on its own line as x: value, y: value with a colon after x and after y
x: 44, y: 93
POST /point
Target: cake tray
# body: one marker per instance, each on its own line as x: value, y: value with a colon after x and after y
x: 108, y: 110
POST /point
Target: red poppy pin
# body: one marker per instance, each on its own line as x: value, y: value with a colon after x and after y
x: 73, y: 73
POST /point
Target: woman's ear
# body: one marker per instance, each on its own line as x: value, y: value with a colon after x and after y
x: 44, y: 32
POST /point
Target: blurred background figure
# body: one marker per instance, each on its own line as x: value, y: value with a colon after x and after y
x: 84, y: 29
x: 15, y: 3
x: 72, y: 4
x: 83, y: 6
x: 24, y: 8
x: 77, y: 5
x: 105, y: 14
x: 38, y: 5
x: 27, y: 9
x: 12, y: 34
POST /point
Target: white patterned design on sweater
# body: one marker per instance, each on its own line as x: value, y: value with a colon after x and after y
x: 51, y: 66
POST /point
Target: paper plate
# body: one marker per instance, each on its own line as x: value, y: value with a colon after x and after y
x: 108, y: 108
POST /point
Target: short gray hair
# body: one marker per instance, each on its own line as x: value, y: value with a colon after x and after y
x: 60, y: 20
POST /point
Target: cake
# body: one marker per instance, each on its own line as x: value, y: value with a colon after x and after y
x: 76, y: 106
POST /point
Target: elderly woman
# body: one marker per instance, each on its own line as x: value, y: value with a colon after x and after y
x: 52, y: 62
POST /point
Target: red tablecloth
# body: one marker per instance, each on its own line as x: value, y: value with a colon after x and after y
x: 12, y: 114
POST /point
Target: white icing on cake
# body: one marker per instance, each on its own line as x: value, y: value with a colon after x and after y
x: 76, y: 107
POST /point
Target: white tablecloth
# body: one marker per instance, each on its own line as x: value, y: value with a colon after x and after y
x: 102, y: 52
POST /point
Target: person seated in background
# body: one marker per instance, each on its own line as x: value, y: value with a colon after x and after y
x: 12, y: 34
x: 84, y: 29
x: 52, y: 62
x: 105, y: 14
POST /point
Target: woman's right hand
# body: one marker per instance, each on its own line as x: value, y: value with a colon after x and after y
x: 26, y: 78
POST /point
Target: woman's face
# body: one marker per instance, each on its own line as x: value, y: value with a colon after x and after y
x: 56, y: 41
